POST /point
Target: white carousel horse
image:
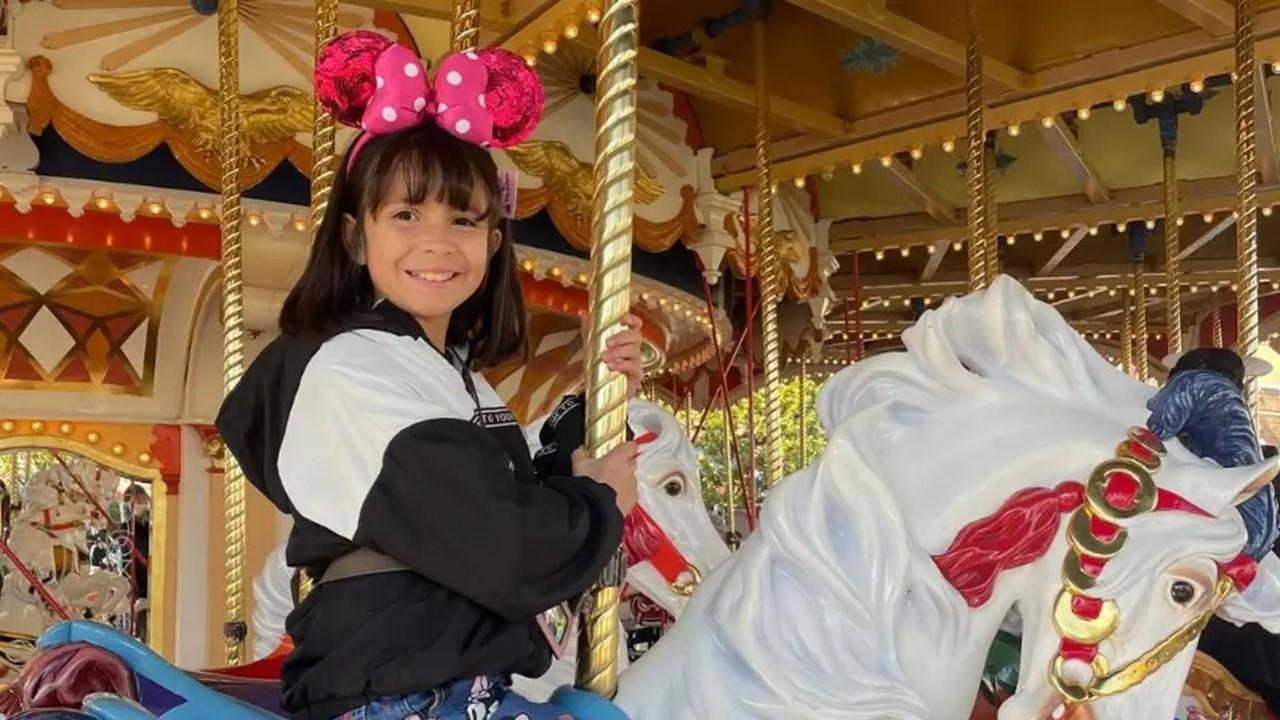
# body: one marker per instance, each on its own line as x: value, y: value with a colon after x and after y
x: 880, y: 574
x: 670, y: 491
x: 49, y: 535
x: 46, y: 522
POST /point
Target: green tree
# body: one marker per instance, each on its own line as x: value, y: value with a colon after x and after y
x: 798, y: 410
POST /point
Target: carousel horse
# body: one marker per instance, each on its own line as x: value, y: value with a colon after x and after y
x: 999, y: 461
x: 983, y: 468
x: 1207, y: 412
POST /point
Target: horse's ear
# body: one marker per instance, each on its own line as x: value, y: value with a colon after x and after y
x: 1260, y: 602
x: 1253, y: 478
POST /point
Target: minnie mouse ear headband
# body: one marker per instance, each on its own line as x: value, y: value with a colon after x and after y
x: 489, y: 98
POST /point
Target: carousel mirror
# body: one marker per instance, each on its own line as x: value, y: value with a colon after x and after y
x: 76, y: 545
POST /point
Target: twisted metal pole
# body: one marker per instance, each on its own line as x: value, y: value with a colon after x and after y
x: 990, y: 239
x: 1215, y: 322
x: 323, y: 144
x: 976, y: 129
x: 466, y: 25
x: 232, y: 315
x: 770, y: 272
x: 1246, y: 196
x: 1172, y: 249
x: 1126, y: 337
x: 1140, y: 364
x: 610, y: 298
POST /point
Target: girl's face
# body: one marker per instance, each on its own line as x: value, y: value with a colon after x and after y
x: 427, y: 258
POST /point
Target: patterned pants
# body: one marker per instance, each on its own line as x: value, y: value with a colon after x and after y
x: 482, y: 698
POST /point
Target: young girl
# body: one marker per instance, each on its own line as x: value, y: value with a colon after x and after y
x: 436, y: 545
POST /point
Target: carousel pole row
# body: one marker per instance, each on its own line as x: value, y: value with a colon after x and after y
x: 1246, y: 194
x: 975, y: 183
x: 1140, y: 364
x: 232, y: 315
x: 610, y: 300
x: 990, y: 238
x: 770, y: 270
x: 1172, y: 248
x: 324, y: 156
x: 1126, y: 336
x: 324, y: 141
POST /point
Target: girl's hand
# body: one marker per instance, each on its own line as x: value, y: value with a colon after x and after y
x: 623, y: 353
x: 617, y: 469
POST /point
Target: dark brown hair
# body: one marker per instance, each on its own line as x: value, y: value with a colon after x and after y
x: 490, y: 323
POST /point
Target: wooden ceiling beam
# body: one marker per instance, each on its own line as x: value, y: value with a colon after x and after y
x: 1207, y: 236
x: 1063, y: 251
x: 1217, y: 17
x: 1083, y: 83
x: 698, y: 81
x: 934, y: 205
x: 1206, y: 196
x: 1085, y: 278
x: 529, y: 31
x: 1065, y: 144
x: 872, y: 19
x: 1264, y: 130
x: 935, y: 260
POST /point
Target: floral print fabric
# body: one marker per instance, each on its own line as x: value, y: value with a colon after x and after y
x: 482, y: 698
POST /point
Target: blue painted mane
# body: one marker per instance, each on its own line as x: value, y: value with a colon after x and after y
x: 1206, y: 411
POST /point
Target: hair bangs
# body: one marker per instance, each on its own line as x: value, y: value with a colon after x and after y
x: 433, y: 166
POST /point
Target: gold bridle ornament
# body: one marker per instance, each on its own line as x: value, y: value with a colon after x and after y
x: 1139, y: 459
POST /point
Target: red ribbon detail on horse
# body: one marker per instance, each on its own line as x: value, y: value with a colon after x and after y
x: 1021, y: 530
x: 646, y: 541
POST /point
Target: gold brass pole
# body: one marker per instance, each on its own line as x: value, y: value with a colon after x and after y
x: 770, y: 272
x: 1140, y: 365
x: 1126, y: 337
x: 466, y: 25
x: 974, y: 173
x: 1172, y: 248
x: 991, y: 236
x: 323, y: 144
x: 1246, y: 195
x: 1215, y: 322
x: 610, y: 298
x: 232, y: 314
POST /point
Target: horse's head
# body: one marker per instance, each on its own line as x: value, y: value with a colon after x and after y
x: 672, y: 541
x: 1007, y: 443
x: 1152, y: 552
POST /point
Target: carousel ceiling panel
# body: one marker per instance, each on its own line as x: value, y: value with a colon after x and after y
x: 1206, y: 145
x: 1125, y: 154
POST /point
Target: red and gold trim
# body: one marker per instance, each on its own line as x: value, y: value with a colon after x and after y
x: 1119, y: 490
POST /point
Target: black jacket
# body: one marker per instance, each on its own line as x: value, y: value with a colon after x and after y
x: 371, y: 437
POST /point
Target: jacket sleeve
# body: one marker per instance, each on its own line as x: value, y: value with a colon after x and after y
x: 564, y: 431
x: 371, y: 459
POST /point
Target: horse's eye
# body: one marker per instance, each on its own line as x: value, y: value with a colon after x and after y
x: 673, y: 486
x: 1182, y: 592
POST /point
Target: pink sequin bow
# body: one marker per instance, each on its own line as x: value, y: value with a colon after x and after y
x: 403, y: 98
x: 490, y: 97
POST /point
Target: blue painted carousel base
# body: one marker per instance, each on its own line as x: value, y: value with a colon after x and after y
x: 170, y: 693
x: 586, y: 706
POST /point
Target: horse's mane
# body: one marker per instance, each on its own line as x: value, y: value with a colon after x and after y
x: 999, y: 339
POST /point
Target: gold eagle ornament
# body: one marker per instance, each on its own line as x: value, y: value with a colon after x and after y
x: 179, y: 100
x: 569, y: 179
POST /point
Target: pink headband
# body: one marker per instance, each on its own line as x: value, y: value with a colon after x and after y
x: 489, y: 98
